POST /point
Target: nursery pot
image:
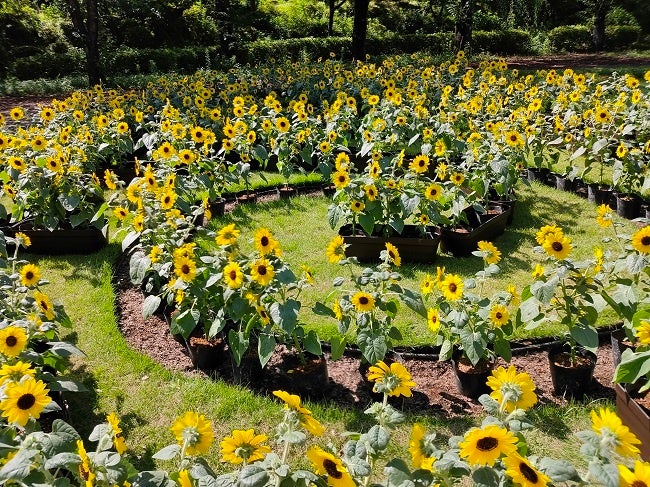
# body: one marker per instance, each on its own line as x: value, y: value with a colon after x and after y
x: 471, y: 380
x: 620, y: 343
x: 635, y: 416
x: 563, y: 183
x: 304, y: 375
x: 287, y: 192
x: 599, y: 195
x: 206, y: 354
x: 627, y: 206
x: 218, y: 207
x: 571, y: 380
x: 64, y: 241
x: 539, y: 174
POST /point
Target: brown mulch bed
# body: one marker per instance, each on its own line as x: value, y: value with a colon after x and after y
x: 436, y: 391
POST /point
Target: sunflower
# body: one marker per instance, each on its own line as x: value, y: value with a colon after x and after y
x: 327, y: 464
x: 639, y: 478
x: 418, y: 449
x: 185, y: 268
x: 193, y: 431
x: 138, y: 222
x: 118, y: 438
x: 24, y: 400
x: 167, y: 199
x: 452, y: 287
x: 393, y: 380
x: 30, y: 274
x: 433, y: 192
x: 17, y: 113
x: 198, y: 134
x: 15, y: 372
x: 492, y: 255
x: 17, y: 163
x: 483, y: 446
x: 282, y: 124
x: 292, y: 402
x: 546, y: 231
x: 227, y: 235
x: 233, y: 275
x: 371, y: 192
x: 433, y: 320
x: 512, y: 389
x: 86, y: 474
x: 336, y: 249
x: 523, y: 473
x: 641, y: 240
x: 357, y: 206
x: 419, y: 164
x: 499, y: 315
x: 340, y: 179
x: 184, y: 479
x: 45, y: 304
x: 363, y: 301
x: 393, y: 254
x: 613, y: 432
x: 457, y: 178
x: 428, y: 285
x: 514, y: 139
x: 12, y: 341
x: 244, y: 446
x: 120, y: 213
x: 621, y: 151
x: 604, y: 216
x: 23, y: 239
x: 641, y: 331
x: 264, y: 241
x: 558, y: 246
x: 538, y: 271
x: 262, y: 272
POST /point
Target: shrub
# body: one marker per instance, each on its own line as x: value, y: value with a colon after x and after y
x: 572, y: 38
x: 438, y: 43
x: 510, y: 41
x: 311, y: 47
x: 620, y: 16
x: 47, y: 65
x: 621, y: 36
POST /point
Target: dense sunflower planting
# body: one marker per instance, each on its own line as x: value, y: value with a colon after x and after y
x: 401, y: 142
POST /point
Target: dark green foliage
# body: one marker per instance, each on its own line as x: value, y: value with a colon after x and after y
x: 618, y: 37
x: 439, y: 43
x: 510, y: 41
x: 571, y: 38
x: 48, y: 65
x: 308, y: 47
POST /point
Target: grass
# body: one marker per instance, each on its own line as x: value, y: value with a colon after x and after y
x: 148, y: 397
x: 302, y: 229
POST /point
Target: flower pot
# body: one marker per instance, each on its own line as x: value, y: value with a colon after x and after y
x: 218, y: 207
x: 634, y: 416
x: 65, y: 241
x: 645, y: 211
x: 620, y: 343
x: 287, y: 192
x: 411, y: 245
x: 306, y: 376
x: 329, y: 190
x: 207, y: 354
x: 569, y: 380
x: 599, y: 195
x: 539, y: 174
x: 563, y: 183
x: 580, y: 188
x: 247, y: 197
x: 461, y: 241
x: 628, y: 206
x: 471, y: 380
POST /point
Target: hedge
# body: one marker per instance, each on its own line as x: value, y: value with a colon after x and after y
x: 307, y: 47
x: 572, y: 38
x: 618, y: 37
x: 504, y: 42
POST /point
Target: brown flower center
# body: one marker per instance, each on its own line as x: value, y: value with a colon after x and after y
x: 529, y: 473
x: 264, y: 241
x: 487, y: 444
x: 185, y: 269
x: 645, y: 241
x: 11, y: 341
x: 498, y: 315
x: 638, y: 483
x: 363, y: 300
x: 26, y: 401
x: 261, y: 270
x: 557, y: 246
x: 29, y: 275
x: 233, y: 275
x: 330, y: 468
x: 452, y: 287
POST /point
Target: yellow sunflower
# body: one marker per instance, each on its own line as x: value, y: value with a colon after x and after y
x: 393, y: 380
x: 233, y: 275
x: 327, y: 464
x: 44, y: 303
x: 363, y: 301
x: 264, y: 241
x: 611, y: 429
x: 340, y: 179
x: 85, y: 472
x: 433, y: 192
x: 452, y: 287
x: 371, y: 192
x: 336, y: 249
x: 12, y: 341
x: 512, y: 389
x: 118, y: 437
x: 523, y: 473
x: 292, y: 402
x: 640, y: 477
x: 356, y: 206
x: 184, y: 479
x: 641, y: 240
x: 428, y: 285
x: 120, y: 213
x: 15, y: 372
x: 538, y: 271
x: 227, y: 235
x: 491, y: 254
x: 185, y: 268
x: 433, y: 319
x: 604, y: 216
x: 23, y: 239
x: 244, y: 446
x: 417, y: 449
x: 262, y: 272
x: 558, y: 246
x: 483, y: 446
x: 194, y: 432
x: 24, y: 400
x: 419, y: 164
x: 457, y: 178
x: 30, y: 274
x: 546, y: 231
x: 642, y: 332
x: 393, y: 254
x: 499, y: 315
x: 167, y: 199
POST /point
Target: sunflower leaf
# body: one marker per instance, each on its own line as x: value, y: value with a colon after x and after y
x: 485, y: 477
x: 378, y: 438
x: 167, y: 453
x: 559, y: 470
x: 253, y: 476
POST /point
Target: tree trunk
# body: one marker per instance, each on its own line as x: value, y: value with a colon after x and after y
x: 360, y: 29
x: 600, y: 13
x: 330, y: 20
x: 92, y: 44
x: 463, y: 34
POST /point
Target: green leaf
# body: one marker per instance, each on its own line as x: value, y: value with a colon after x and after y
x: 373, y: 346
x: 334, y: 215
x: 559, y: 470
x: 238, y: 345
x: 414, y: 301
x: 62, y: 460
x: 285, y: 314
x: 502, y: 349
x: 337, y: 344
x: 253, y: 476
x: 529, y: 310
x: 321, y: 310
x: 490, y: 404
x: 69, y: 201
x: 368, y: 223
x: 587, y: 336
x: 485, y: 477
x: 65, y: 349
x: 184, y: 323
x: 544, y: 291
x: 378, y: 438
x: 153, y: 478
x: 265, y: 348
x: 312, y: 343
x: 138, y: 267
x: 633, y: 366
x: 606, y: 474
x: 19, y: 466
x: 129, y: 239
x: 150, y: 305
x: 167, y: 453
x: 66, y: 385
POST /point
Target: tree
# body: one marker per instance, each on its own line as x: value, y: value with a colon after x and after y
x: 600, y: 9
x: 360, y: 29
x: 463, y: 26
x: 333, y: 7
x: 88, y: 30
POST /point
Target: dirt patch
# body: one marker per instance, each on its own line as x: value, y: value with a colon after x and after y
x: 435, y: 392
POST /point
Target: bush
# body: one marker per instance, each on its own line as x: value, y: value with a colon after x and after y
x: 310, y: 47
x: 572, y: 38
x: 438, y: 43
x: 510, y: 41
x: 620, y: 16
x: 47, y: 65
x: 135, y: 61
x: 618, y: 37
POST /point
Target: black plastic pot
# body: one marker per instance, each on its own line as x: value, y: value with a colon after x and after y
x: 218, y: 207
x: 563, y: 183
x: 628, y: 206
x: 538, y: 174
x: 599, y: 195
x: 286, y: 193
x: 471, y: 381
x: 568, y: 380
x: 207, y: 354
x: 65, y: 241
x: 462, y: 241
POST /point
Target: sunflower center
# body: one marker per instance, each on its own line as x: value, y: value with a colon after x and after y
x: 363, y: 300
x: 330, y: 468
x: 261, y: 270
x: 452, y: 287
x: 498, y: 315
x: 264, y: 241
x: 11, y: 341
x: 638, y: 483
x: 26, y: 401
x: 487, y: 444
x: 233, y: 275
x: 29, y: 275
x: 341, y: 179
x: 391, y: 254
x: 557, y: 246
x: 185, y: 269
x: 645, y: 241
x: 529, y: 473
